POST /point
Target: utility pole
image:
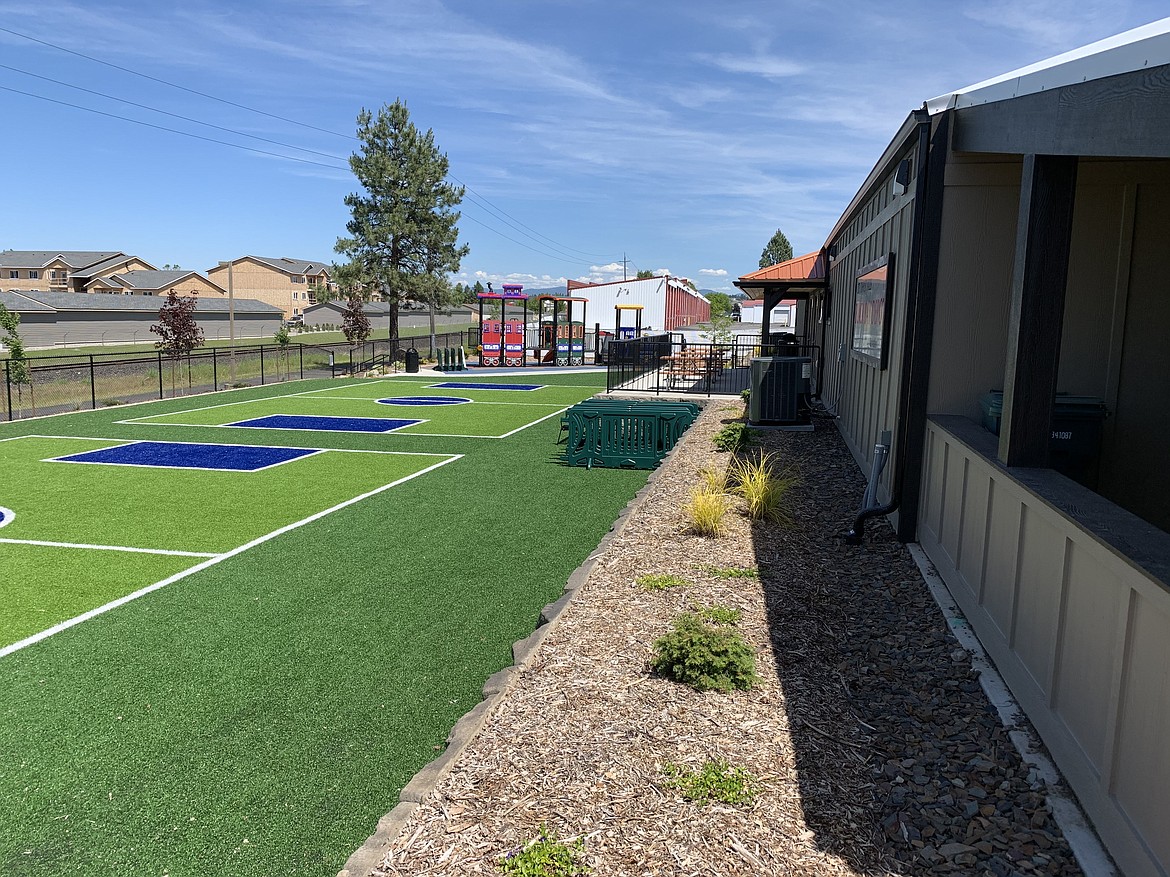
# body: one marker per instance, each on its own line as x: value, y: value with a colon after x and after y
x: 231, y: 324
x: 624, y: 261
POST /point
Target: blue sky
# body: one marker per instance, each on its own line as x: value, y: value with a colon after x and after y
x: 680, y: 135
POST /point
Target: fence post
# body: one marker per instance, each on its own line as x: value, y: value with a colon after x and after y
x: 160, y: 375
x: 92, y: 385
x: 262, y: 365
x: 214, y: 372
x: 301, y: 359
x: 8, y: 384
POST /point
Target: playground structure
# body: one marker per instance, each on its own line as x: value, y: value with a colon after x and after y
x: 624, y: 333
x: 502, y: 340
x: 561, y: 339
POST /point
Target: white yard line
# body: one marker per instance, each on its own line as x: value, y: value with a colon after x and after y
x: 212, y: 561
x: 547, y: 417
x: 132, y: 550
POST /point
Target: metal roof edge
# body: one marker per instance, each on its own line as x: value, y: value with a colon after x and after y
x: 1127, y: 52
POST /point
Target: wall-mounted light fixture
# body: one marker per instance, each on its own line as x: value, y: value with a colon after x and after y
x: 902, y: 177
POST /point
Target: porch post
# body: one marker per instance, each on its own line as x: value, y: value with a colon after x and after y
x: 1043, y: 237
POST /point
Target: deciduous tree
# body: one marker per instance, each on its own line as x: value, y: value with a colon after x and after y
x: 403, y: 237
x: 778, y: 250
x: 18, y: 370
x: 355, y: 325
x: 178, y: 332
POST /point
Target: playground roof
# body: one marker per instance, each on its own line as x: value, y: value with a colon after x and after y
x: 511, y: 296
x: 549, y: 297
x: 630, y: 307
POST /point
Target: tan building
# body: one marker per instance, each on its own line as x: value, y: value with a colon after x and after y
x: 289, y: 284
x: 62, y: 271
x: 156, y: 283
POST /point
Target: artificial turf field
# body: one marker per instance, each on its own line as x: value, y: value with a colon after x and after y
x: 322, y: 623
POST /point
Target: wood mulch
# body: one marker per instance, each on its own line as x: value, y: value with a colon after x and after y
x: 873, y: 748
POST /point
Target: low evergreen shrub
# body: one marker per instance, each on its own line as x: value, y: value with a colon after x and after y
x: 704, y: 656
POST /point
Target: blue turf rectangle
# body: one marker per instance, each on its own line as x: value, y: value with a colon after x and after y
x: 458, y: 385
x: 326, y: 423
x: 190, y: 455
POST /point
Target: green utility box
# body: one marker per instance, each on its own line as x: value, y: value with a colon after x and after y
x: 1075, y: 445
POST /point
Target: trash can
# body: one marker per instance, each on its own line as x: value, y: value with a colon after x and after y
x: 1074, y: 448
x: 411, y: 360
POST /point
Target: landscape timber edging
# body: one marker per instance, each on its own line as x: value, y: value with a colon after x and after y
x: 368, y: 856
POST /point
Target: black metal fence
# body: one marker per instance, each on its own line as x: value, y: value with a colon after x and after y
x: 73, y: 382
x: 671, y: 364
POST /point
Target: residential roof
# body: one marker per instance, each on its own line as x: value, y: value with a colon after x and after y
x: 152, y: 279
x: 1138, y: 49
x: 18, y: 302
x: 807, y: 267
x: 101, y: 301
x: 41, y: 258
x: 289, y: 266
x: 107, y: 264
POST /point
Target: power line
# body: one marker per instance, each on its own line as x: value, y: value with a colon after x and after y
x: 172, y: 130
x: 554, y: 256
x: 486, y: 205
x: 172, y: 84
x: 172, y: 115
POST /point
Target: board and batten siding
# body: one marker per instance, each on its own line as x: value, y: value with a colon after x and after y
x: 865, y: 396
x: 1079, y: 630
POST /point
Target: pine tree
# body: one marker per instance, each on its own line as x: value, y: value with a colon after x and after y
x: 178, y: 332
x: 778, y: 250
x: 403, y: 234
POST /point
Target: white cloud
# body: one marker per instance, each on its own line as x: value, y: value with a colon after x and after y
x: 713, y: 272
x: 767, y: 66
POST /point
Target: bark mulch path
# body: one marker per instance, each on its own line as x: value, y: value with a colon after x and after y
x: 873, y: 747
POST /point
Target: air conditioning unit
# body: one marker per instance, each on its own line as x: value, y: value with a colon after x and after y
x: 780, y: 385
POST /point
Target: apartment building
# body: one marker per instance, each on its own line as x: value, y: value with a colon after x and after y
x: 62, y: 271
x: 156, y: 283
x: 288, y: 284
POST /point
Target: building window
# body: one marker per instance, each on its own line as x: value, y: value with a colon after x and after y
x: 34, y: 275
x: 295, y: 279
x: 13, y: 274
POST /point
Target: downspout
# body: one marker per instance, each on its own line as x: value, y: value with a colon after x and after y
x: 826, y: 298
x: 856, y: 533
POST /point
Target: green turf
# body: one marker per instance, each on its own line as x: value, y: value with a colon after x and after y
x: 178, y: 509
x: 283, y: 696
x: 485, y: 418
x: 45, y: 586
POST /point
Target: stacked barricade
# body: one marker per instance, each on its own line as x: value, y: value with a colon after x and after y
x: 618, y: 433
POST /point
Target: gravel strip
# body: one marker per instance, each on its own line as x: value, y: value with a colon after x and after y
x: 873, y: 747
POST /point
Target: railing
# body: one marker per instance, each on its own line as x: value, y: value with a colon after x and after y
x: 671, y: 364
x: 73, y: 382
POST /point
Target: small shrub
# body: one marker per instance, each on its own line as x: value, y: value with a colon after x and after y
x: 713, y: 479
x: 745, y: 395
x: 704, y: 656
x: 545, y: 857
x: 719, y: 615
x: 659, y: 582
x: 732, y: 572
x: 762, y: 488
x: 110, y: 403
x: 734, y: 436
x: 706, y: 511
x: 714, y: 781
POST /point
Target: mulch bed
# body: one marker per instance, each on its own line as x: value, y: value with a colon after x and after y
x: 873, y: 747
